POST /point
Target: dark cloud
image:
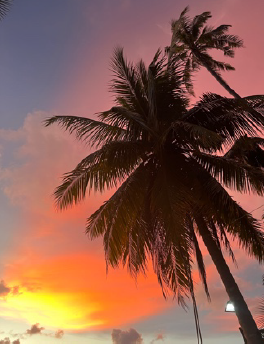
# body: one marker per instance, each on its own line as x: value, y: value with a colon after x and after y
x: 126, y: 337
x: 35, y: 329
x: 8, y: 341
x: 5, y: 341
x: 160, y: 336
x: 59, y: 334
x: 6, y: 290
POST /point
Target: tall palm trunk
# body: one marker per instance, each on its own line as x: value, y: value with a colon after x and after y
x: 216, y: 75
x: 222, y: 81
x: 244, y: 316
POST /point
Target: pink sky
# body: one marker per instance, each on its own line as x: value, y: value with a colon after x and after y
x: 60, y: 274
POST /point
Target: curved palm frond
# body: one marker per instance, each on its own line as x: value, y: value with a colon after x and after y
x: 96, y: 133
x: 248, y: 150
x: 130, y: 121
x: 4, y: 7
x: 231, y: 118
x: 233, y: 174
x: 127, y: 85
x: 100, y: 170
x: 241, y: 225
x: 192, y: 136
x: 199, y: 259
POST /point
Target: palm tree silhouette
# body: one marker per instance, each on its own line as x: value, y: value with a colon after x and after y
x: 161, y: 157
x: 192, y: 40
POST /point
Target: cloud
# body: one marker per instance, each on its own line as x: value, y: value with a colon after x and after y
x: 130, y: 336
x: 35, y: 329
x: 59, y: 334
x: 6, y: 290
x: 8, y: 341
x: 160, y: 336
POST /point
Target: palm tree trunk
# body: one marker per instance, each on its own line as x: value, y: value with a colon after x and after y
x: 221, y: 81
x: 244, y: 316
x: 215, y: 74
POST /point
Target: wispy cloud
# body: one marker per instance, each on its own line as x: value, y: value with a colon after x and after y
x: 159, y: 336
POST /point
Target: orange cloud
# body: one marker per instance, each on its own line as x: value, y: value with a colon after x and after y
x: 75, y: 294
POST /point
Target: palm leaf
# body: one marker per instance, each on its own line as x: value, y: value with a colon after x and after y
x: 231, y: 118
x: 194, y: 136
x: 233, y: 174
x: 4, y: 7
x: 247, y: 149
x: 93, y: 132
x: 127, y: 84
x: 102, y: 169
x: 238, y: 223
x: 198, y: 22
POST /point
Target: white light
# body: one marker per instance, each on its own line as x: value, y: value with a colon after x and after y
x: 230, y: 307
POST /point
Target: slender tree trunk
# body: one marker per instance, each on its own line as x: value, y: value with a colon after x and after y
x: 244, y: 316
x: 222, y: 82
x: 218, y: 77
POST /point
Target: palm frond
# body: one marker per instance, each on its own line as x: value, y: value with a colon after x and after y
x: 225, y: 241
x: 198, y: 22
x: 233, y: 174
x: 194, y: 136
x: 100, y: 170
x: 130, y: 121
x: 220, y: 30
x: 231, y: 118
x: 126, y: 83
x: 116, y: 219
x: 93, y: 132
x: 247, y: 149
x: 4, y: 7
x: 199, y: 259
x: 238, y: 223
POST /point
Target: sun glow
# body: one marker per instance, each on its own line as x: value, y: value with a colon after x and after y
x: 60, y: 310
x: 73, y: 293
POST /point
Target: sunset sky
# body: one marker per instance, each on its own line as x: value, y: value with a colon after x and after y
x: 54, y: 59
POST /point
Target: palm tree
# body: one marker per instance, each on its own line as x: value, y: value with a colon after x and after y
x: 191, y: 42
x: 4, y: 7
x: 161, y: 157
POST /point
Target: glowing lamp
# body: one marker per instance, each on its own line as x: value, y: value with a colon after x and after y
x: 230, y: 307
